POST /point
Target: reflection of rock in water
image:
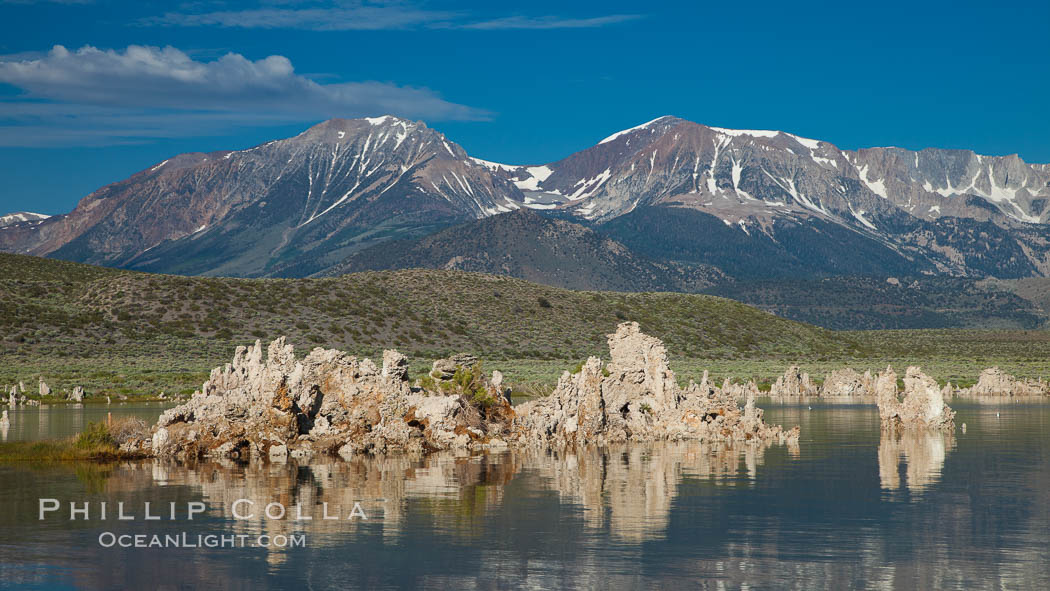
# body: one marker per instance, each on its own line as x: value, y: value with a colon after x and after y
x: 923, y: 453
x: 381, y: 485
x: 629, y: 488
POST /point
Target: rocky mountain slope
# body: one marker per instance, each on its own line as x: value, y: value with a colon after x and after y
x: 776, y: 172
x: 945, y: 211
x: 311, y: 199
x: 531, y: 246
x: 756, y: 204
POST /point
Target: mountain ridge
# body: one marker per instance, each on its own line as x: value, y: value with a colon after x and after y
x: 303, y: 205
x: 530, y: 246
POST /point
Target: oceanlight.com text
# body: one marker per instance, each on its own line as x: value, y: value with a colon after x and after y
x: 185, y: 540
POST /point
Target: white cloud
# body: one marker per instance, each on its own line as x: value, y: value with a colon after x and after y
x: 150, y: 91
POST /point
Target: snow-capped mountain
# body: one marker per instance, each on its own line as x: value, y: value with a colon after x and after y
x: 20, y: 217
x: 306, y: 201
x: 750, y: 202
x: 943, y: 208
x: 748, y: 172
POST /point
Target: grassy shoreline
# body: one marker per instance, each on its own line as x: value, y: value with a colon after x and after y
x: 99, y: 442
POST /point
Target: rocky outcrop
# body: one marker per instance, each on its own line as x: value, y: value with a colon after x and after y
x: 735, y: 391
x: 445, y: 369
x: 77, y: 395
x: 921, y: 406
x: 793, y: 383
x: 636, y: 398
x: 995, y: 382
x: 328, y: 402
x: 45, y: 390
x: 333, y: 403
x: 848, y: 383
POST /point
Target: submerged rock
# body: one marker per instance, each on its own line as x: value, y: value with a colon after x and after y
x: 921, y: 406
x: 636, y: 398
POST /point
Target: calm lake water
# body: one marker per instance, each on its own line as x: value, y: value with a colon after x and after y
x: 849, y: 508
x: 30, y: 423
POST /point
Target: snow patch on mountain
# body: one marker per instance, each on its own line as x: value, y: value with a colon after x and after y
x: 876, y: 186
x: 750, y: 132
x: 526, y: 178
x: 20, y: 217
x: 629, y: 130
x: 380, y: 120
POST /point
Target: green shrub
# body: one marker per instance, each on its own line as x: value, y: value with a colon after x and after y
x: 96, y: 435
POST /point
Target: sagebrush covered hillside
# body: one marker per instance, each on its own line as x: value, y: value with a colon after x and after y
x: 47, y: 303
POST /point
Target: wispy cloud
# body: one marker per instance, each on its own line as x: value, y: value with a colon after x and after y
x: 351, y: 15
x: 549, y: 22
x: 333, y: 18
x: 143, y: 92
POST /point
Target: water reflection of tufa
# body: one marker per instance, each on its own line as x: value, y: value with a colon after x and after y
x: 923, y: 453
x: 628, y: 489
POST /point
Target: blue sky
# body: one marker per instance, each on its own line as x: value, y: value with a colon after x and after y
x: 132, y: 83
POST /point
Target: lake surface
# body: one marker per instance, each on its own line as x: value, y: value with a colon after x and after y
x: 849, y: 508
x: 56, y: 421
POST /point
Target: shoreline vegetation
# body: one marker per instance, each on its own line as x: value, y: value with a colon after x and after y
x: 99, y: 442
